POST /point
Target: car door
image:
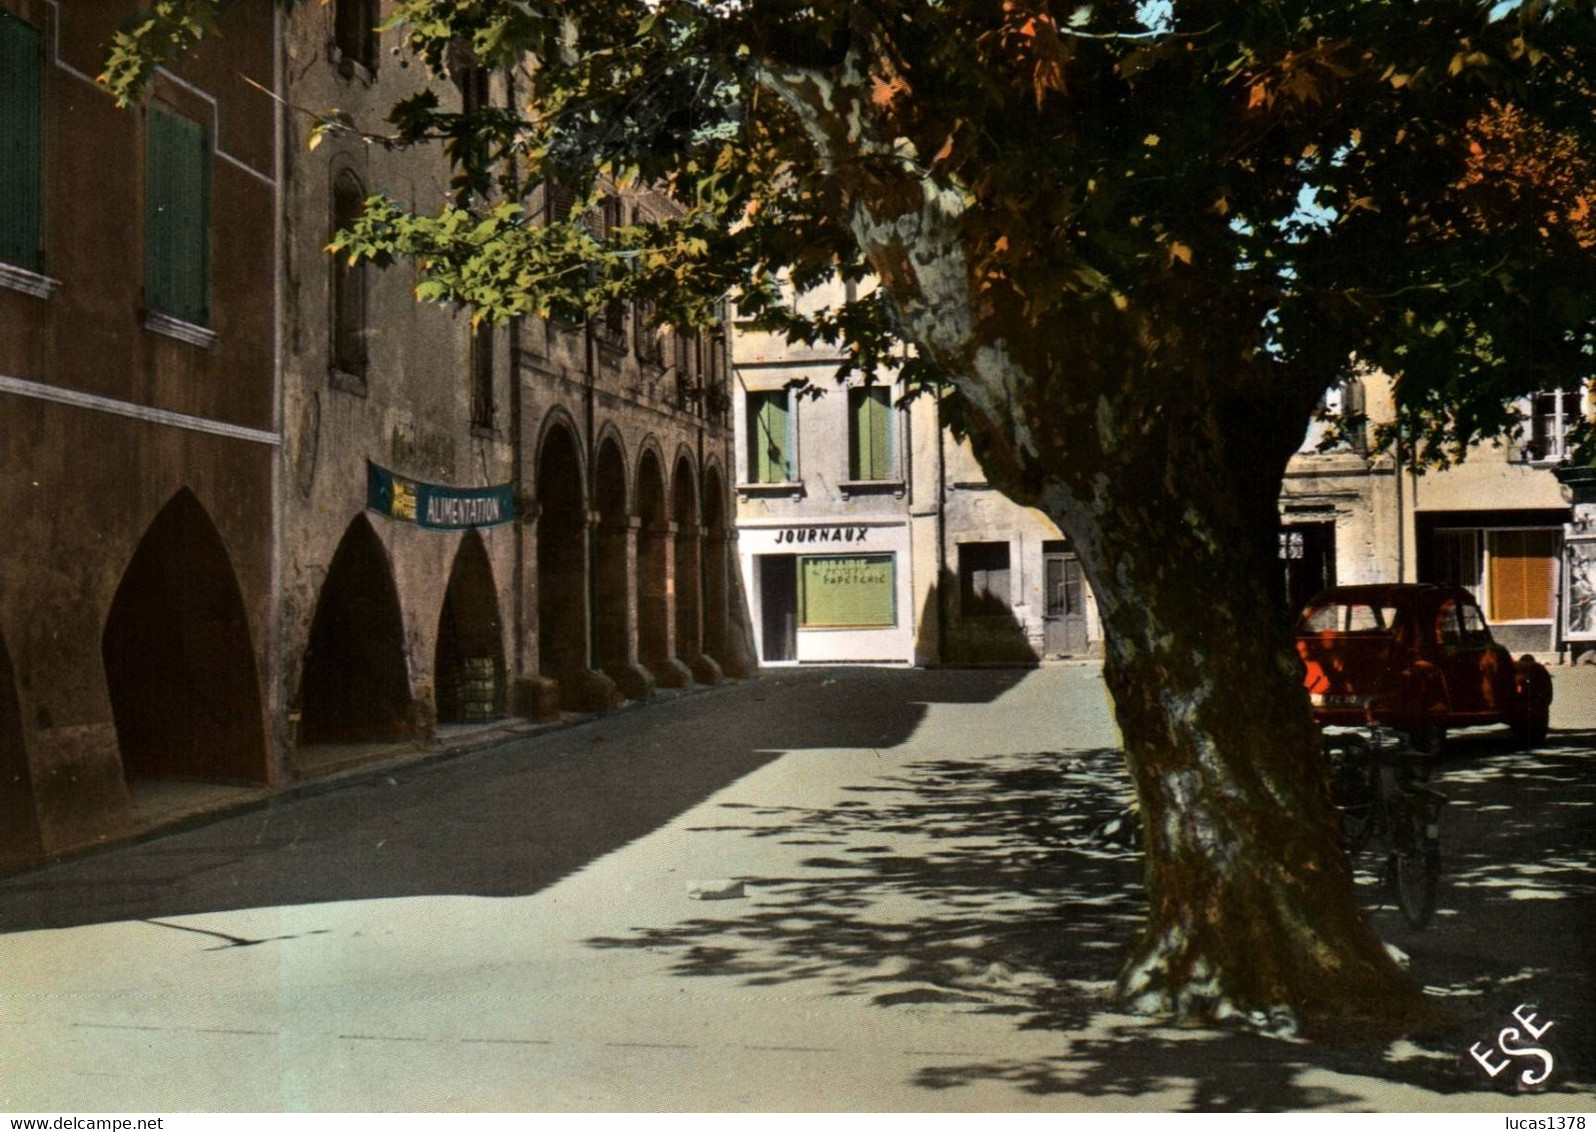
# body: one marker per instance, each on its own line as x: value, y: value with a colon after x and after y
x: 1469, y: 661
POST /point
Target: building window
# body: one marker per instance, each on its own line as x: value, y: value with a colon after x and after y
x: 1544, y: 435
x: 482, y: 377
x: 853, y: 592
x: 1522, y: 574
x: 177, y: 218
x: 870, y: 433
x: 355, y: 32
x: 983, y: 579
x: 348, y: 283
x: 21, y: 143
x: 769, y: 438
x: 1511, y: 571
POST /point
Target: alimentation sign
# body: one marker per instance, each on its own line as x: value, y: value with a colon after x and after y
x: 434, y: 505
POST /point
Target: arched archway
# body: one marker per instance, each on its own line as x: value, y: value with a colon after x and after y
x: 717, y: 549
x: 614, y: 578
x: 654, y: 549
x: 19, y: 822
x: 684, y: 510
x: 468, y: 663
x: 355, y: 684
x: 562, y: 561
x: 179, y: 665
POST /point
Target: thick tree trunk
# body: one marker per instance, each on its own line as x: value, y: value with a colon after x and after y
x: 1251, y: 910
x: 1162, y: 459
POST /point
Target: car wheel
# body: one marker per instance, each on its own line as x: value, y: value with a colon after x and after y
x: 1531, y: 732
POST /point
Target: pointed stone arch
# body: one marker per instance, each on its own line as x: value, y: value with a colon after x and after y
x: 614, y: 572
x: 19, y: 820
x: 179, y: 664
x: 355, y: 683
x: 717, y: 568
x: 468, y: 663
x: 655, y: 551
x: 563, y: 568
x: 688, y: 574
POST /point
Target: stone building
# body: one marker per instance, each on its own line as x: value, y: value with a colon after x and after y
x: 868, y: 533
x: 269, y: 513
x: 1494, y: 524
x: 139, y: 424
x: 477, y: 522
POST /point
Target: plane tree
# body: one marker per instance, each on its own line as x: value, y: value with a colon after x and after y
x: 1135, y: 243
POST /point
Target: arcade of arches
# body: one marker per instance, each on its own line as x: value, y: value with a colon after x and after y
x: 626, y: 563
x: 630, y: 589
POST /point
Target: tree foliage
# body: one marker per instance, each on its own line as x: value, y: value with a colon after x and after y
x: 1139, y: 241
x: 1409, y: 184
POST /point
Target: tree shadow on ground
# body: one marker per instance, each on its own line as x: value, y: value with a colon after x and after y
x: 987, y: 887
x: 505, y: 822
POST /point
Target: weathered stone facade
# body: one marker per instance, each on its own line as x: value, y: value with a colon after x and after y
x: 137, y: 448
x: 612, y: 578
x: 197, y: 403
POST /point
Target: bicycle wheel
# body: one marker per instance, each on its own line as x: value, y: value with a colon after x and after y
x: 1417, y: 879
x: 1357, y: 794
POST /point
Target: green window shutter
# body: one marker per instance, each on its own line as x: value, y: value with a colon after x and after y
x: 21, y: 167
x: 870, y: 434
x: 846, y: 592
x: 177, y: 228
x: 769, y: 439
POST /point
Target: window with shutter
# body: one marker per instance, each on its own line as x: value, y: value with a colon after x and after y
x: 21, y: 166
x: 177, y: 221
x: 769, y: 438
x: 870, y: 434
x: 1523, y: 570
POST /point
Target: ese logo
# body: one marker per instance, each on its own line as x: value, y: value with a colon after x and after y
x: 1512, y: 1044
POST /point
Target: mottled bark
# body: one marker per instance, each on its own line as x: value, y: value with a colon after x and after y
x: 1251, y: 910
x: 1162, y: 460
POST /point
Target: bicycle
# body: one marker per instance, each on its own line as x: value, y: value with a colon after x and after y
x: 1375, y: 776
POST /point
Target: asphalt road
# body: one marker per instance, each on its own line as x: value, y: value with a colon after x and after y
x: 915, y: 914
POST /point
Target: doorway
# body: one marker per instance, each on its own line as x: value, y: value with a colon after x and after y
x: 778, y: 606
x: 1064, y: 609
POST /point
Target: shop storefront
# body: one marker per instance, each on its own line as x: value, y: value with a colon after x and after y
x: 830, y: 592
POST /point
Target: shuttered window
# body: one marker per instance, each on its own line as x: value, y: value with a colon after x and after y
x: 21, y: 170
x: 769, y: 438
x: 854, y: 592
x: 1522, y: 574
x: 177, y: 218
x: 869, y: 434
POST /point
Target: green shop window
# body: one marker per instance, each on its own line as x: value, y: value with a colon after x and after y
x: 852, y: 592
x: 21, y: 166
x: 177, y: 218
x: 870, y: 433
x: 769, y: 438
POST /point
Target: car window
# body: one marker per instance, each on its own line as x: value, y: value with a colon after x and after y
x: 1475, y: 630
x: 1446, y: 623
x: 1350, y: 617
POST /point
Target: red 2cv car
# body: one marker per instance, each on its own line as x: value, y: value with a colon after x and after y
x: 1418, y: 658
